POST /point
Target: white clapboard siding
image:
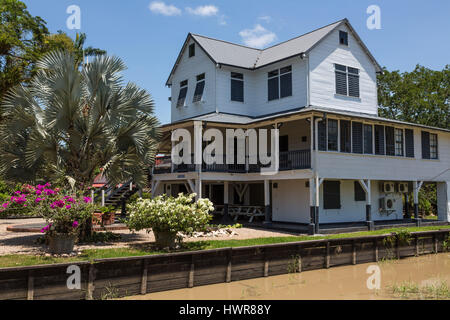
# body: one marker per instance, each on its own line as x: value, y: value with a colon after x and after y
x: 188, y: 69
x: 322, y: 74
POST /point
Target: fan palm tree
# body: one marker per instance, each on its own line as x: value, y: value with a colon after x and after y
x: 69, y: 122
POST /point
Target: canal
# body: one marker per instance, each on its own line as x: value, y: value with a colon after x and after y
x: 424, y: 277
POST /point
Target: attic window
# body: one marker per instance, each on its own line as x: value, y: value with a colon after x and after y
x: 192, y: 50
x: 343, y: 38
x: 183, y: 93
x: 200, y: 88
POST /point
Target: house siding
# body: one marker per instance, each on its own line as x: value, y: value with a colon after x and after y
x: 322, y: 74
x: 188, y: 69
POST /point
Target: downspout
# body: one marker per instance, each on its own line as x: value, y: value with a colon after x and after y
x: 215, y: 88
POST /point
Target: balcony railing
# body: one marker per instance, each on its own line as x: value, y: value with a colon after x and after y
x: 290, y: 160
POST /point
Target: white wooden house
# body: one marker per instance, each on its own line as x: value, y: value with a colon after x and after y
x: 320, y: 90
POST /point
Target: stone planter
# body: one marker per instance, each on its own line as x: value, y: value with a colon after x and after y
x: 61, y: 244
x: 165, y: 239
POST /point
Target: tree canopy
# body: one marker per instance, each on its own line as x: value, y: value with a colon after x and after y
x: 69, y: 121
x: 421, y: 96
x: 24, y: 39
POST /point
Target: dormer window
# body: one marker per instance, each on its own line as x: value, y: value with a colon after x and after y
x: 200, y: 88
x: 183, y: 93
x: 343, y: 38
x: 192, y: 50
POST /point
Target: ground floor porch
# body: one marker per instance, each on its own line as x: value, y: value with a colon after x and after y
x: 303, y: 203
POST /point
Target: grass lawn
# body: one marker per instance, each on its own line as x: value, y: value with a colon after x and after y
x: 91, y: 254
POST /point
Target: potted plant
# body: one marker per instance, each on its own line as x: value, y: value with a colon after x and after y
x: 167, y: 216
x: 65, y: 218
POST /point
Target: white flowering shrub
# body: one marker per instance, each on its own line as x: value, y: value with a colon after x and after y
x: 169, y: 214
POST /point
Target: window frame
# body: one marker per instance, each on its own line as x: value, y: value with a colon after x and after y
x: 184, y: 87
x: 191, y: 50
x: 343, y: 35
x: 435, y: 146
x: 236, y: 77
x: 349, y: 73
x: 399, y: 142
x: 277, y: 75
x: 201, y: 81
x: 334, y: 136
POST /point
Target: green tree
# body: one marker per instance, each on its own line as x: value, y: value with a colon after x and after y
x: 24, y: 39
x: 69, y: 121
x: 421, y: 96
x: 21, y: 36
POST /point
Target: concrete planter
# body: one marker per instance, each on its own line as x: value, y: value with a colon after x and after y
x: 165, y: 239
x: 61, y: 244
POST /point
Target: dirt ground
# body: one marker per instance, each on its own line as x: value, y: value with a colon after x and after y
x: 24, y: 243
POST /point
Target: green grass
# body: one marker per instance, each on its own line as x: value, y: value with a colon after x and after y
x: 91, y: 254
x: 412, y: 290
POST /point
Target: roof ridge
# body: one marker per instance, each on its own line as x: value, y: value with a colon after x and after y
x: 342, y: 20
x: 262, y: 50
x: 228, y: 42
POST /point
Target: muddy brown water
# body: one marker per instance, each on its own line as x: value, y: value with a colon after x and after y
x: 339, y: 283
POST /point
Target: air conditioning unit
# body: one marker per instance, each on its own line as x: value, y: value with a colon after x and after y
x: 403, y: 187
x: 387, y: 203
x: 388, y: 187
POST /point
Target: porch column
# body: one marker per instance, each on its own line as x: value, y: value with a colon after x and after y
x: 443, y: 201
x: 225, y: 199
x: 268, y: 209
x: 317, y: 184
x: 312, y: 207
x: 416, y: 186
x: 199, y: 189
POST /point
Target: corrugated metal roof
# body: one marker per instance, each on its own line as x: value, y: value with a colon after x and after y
x: 228, y: 53
x: 244, y: 120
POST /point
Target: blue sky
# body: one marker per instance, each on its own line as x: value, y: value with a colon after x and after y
x: 148, y: 34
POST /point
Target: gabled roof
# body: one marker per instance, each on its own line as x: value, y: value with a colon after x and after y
x: 231, y: 54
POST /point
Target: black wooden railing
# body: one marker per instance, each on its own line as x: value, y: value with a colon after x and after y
x: 290, y: 160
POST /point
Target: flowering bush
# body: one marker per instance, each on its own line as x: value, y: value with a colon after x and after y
x: 28, y: 199
x: 66, y: 215
x: 169, y: 214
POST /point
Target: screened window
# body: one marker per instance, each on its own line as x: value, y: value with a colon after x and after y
x: 183, y: 93
x: 379, y: 140
x: 347, y: 81
x: 322, y: 133
x: 280, y: 83
x: 357, y: 137
x: 192, y: 50
x: 200, y: 88
x: 398, y: 142
x: 433, y: 146
x: 237, y: 87
x: 345, y: 136
x: 368, y: 139
x: 409, y: 143
x: 343, y: 38
x: 332, y: 135
x: 331, y: 195
x: 390, y: 141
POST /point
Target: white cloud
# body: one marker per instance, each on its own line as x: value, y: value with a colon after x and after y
x: 266, y: 19
x: 204, y: 11
x: 164, y: 9
x: 258, y: 37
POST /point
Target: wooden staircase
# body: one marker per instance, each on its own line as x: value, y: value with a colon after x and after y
x: 116, y: 197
